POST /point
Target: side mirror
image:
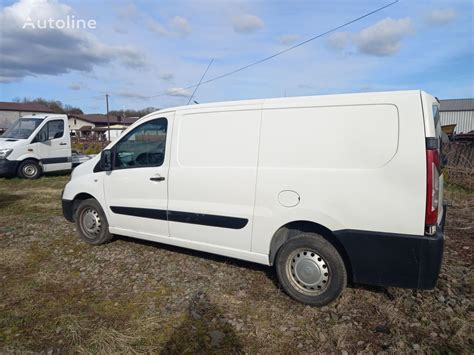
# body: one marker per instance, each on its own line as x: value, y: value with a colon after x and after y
x: 106, y: 160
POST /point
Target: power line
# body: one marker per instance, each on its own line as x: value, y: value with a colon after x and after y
x: 276, y: 54
x: 200, y: 80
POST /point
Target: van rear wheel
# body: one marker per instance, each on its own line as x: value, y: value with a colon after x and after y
x: 29, y: 169
x: 310, y: 270
x: 92, y: 225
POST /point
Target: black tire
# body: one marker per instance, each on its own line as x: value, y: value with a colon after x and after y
x: 29, y: 169
x: 310, y: 270
x: 91, y: 223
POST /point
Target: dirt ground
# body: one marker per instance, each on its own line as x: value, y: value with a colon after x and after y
x: 59, y: 294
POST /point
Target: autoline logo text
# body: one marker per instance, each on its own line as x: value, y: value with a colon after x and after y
x: 70, y: 22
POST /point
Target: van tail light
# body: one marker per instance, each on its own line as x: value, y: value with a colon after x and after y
x: 432, y: 188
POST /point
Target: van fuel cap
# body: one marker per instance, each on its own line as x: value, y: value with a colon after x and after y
x: 288, y: 198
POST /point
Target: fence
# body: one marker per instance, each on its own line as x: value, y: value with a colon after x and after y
x: 460, y: 167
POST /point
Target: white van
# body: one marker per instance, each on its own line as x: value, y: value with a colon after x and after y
x: 36, y: 144
x: 329, y: 189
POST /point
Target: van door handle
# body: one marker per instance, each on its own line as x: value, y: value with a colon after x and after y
x: 157, y: 178
x: 62, y: 143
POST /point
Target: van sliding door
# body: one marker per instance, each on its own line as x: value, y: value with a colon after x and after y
x: 212, y: 177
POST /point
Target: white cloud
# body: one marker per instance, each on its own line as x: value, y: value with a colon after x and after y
x: 74, y: 86
x: 30, y: 51
x: 129, y: 12
x: 120, y: 28
x: 288, y: 40
x: 339, y: 40
x: 440, y: 17
x: 180, y: 25
x: 156, y: 27
x: 166, y: 76
x: 130, y: 57
x: 178, y: 92
x: 247, y: 23
x: 381, y: 39
x: 130, y: 95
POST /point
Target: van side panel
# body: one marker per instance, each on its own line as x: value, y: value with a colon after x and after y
x: 212, y: 177
x: 356, y: 164
x: 333, y: 137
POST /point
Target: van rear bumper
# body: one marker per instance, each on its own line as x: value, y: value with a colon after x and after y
x: 8, y: 167
x: 387, y: 259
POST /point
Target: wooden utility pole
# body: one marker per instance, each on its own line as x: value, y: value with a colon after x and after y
x: 108, y: 120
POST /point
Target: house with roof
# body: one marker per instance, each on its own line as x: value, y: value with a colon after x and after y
x: 458, y: 114
x: 95, y: 126
x: 11, y: 111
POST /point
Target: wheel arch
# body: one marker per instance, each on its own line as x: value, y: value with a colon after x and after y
x: 293, y: 229
x: 78, y: 199
x: 30, y: 156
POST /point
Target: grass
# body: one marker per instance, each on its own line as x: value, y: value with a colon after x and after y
x: 88, y: 148
x: 59, y: 294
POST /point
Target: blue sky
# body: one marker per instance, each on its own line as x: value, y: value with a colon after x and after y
x: 145, y: 48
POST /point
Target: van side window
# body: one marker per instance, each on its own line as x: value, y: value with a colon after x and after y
x: 51, y: 130
x: 436, y: 114
x: 143, y: 147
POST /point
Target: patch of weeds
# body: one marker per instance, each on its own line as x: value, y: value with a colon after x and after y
x: 459, y: 188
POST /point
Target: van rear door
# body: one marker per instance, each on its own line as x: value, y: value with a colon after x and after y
x: 434, y: 164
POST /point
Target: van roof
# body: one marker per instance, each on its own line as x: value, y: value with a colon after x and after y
x: 43, y: 116
x: 281, y: 100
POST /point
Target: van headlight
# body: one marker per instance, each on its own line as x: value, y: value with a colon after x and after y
x: 5, y: 152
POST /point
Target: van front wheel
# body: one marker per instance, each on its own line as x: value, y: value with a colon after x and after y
x: 29, y: 169
x: 91, y: 222
x: 310, y: 270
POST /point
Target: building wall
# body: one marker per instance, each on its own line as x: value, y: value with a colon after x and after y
x: 8, y: 117
x: 77, y: 123
x: 464, y: 120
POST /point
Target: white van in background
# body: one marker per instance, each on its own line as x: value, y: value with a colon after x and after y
x: 329, y: 189
x: 36, y: 144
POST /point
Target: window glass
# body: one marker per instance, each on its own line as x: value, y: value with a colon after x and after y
x: 51, y: 130
x: 436, y: 114
x: 144, y: 146
x: 22, y: 128
x: 55, y: 129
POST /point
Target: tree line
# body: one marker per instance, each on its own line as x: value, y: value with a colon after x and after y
x: 58, y: 107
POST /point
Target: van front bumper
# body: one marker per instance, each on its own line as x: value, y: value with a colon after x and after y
x: 387, y: 259
x: 8, y: 167
x: 68, y: 209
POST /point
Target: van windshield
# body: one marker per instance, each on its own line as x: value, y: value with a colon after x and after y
x: 23, y: 128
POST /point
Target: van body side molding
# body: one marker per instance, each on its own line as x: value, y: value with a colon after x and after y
x: 57, y: 160
x: 140, y: 212
x: 183, y: 217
